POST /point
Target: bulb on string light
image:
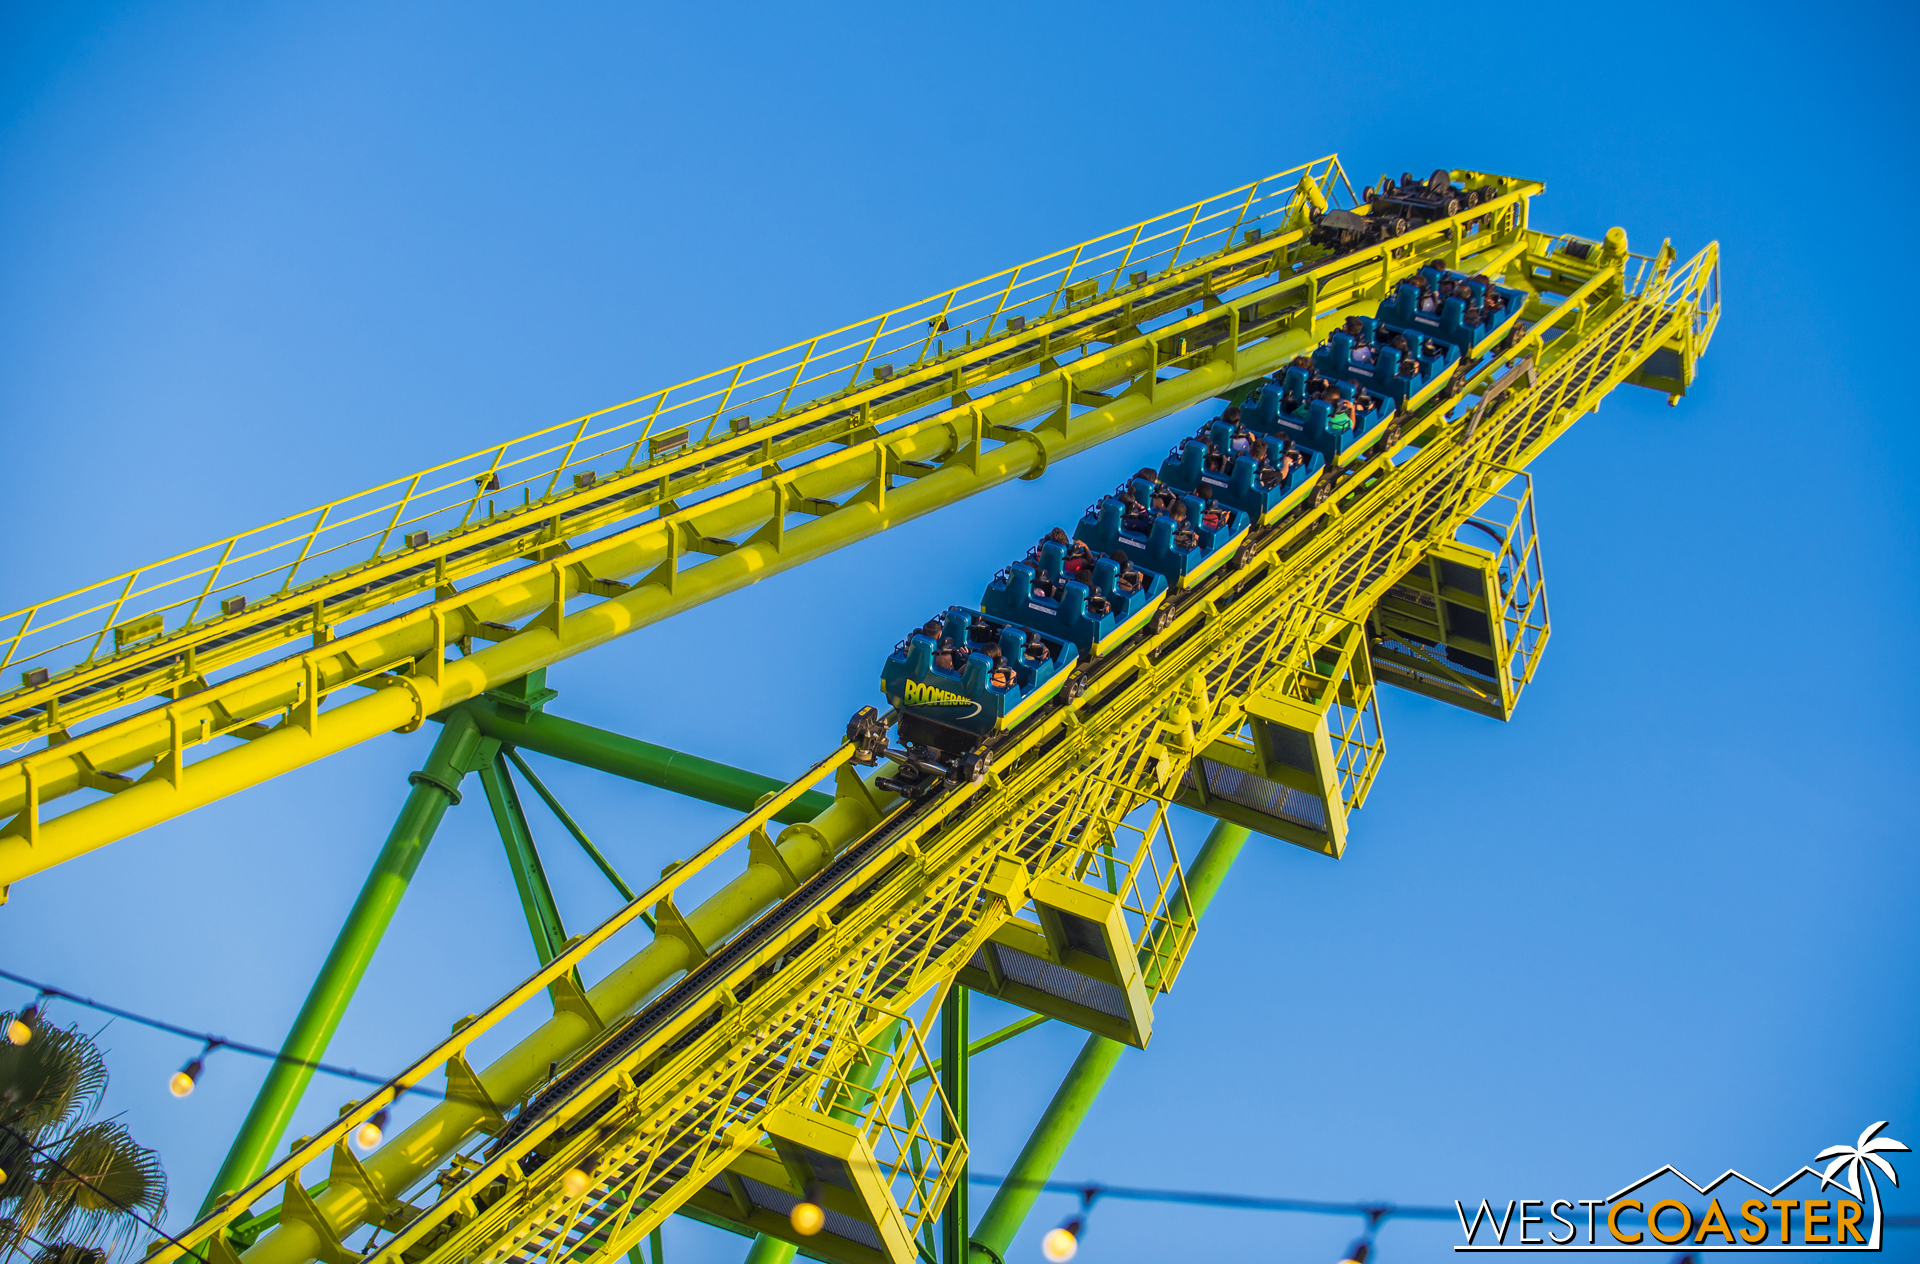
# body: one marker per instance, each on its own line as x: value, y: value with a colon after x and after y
x: 1363, y: 1245
x: 575, y: 1183
x: 186, y: 1077
x: 20, y: 1026
x: 807, y: 1216
x: 1063, y: 1243
x: 371, y: 1131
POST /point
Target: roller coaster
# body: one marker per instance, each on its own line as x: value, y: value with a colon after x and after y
x: 1370, y: 375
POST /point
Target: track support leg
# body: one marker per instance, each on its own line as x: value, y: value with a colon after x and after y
x: 1076, y: 1094
x: 459, y: 750
x: 953, y: 1083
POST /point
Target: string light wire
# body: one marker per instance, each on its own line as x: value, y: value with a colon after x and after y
x: 1087, y: 1191
x: 208, y: 1041
x: 47, y: 1153
x: 1376, y: 1213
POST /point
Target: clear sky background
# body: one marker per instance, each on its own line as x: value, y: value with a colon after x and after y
x: 255, y: 257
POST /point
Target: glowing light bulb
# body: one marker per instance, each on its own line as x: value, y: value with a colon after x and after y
x: 184, y: 1079
x: 808, y: 1219
x: 371, y: 1131
x: 18, y: 1033
x: 1059, y: 1246
x: 575, y: 1183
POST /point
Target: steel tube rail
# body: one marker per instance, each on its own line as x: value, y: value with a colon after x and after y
x: 429, y: 1140
x: 176, y: 662
x: 952, y: 444
x: 507, y: 598
x: 774, y: 364
x: 1255, y: 626
x: 408, y: 699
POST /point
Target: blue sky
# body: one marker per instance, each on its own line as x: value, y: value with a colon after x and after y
x: 255, y: 257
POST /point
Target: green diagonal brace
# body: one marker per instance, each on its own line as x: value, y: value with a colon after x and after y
x: 704, y: 779
x: 523, y: 857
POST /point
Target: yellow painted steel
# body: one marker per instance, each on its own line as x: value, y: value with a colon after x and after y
x: 1254, y: 311
x: 880, y: 904
x: 1468, y: 625
x: 609, y: 465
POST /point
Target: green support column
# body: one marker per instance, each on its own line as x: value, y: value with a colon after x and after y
x: 953, y: 1083
x: 436, y: 787
x: 771, y: 1250
x: 638, y: 1255
x: 1089, y: 1072
x: 529, y: 728
x: 529, y: 875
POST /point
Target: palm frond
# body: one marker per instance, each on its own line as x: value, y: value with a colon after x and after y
x: 1883, y: 1165
x: 56, y: 1078
x: 69, y: 1253
x: 102, y: 1179
x: 1886, y: 1144
x: 1845, y: 1151
x: 17, y: 1167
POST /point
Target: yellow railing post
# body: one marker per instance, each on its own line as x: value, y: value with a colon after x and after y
x: 213, y: 577
x: 26, y: 623
x: 566, y: 456
x: 1182, y: 245
x: 1120, y: 268
x: 1011, y: 282
x: 727, y: 395
x: 800, y: 368
x: 933, y: 331
x: 633, y: 453
x: 1242, y: 216
x: 406, y: 498
x: 306, y: 548
x: 113, y: 614
x: 1066, y: 279
x: 480, y: 484
x: 879, y: 327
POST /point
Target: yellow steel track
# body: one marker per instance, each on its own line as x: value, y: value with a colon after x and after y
x: 875, y: 907
x: 596, y: 560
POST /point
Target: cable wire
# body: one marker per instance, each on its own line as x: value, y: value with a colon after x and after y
x: 1089, y: 1190
x: 1201, y: 1198
x: 47, y: 1153
x: 209, y: 1040
x: 1086, y: 1190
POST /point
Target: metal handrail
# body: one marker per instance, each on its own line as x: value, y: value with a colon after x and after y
x: 31, y: 635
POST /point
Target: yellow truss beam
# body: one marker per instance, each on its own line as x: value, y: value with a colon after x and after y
x: 1255, y: 313
x: 895, y: 898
